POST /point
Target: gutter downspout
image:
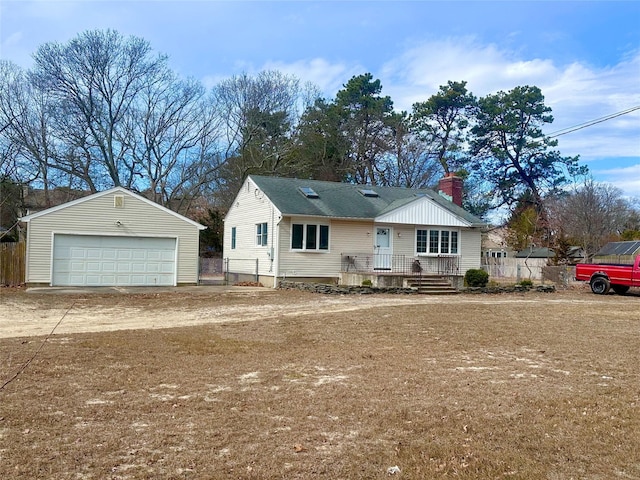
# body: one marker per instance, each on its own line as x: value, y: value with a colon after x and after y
x: 275, y: 247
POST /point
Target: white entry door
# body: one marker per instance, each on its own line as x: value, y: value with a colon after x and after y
x: 383, y: 249
x: 96, y: 260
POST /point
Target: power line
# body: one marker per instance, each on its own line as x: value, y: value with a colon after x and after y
x: 564, y: 131
x: 23, y: 367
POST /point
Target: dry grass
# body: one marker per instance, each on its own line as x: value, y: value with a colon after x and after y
x: 543, y: 387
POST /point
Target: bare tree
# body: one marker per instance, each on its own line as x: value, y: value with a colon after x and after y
x: 29, y: 147
x: 172, y: 138
x: 592, y: 215
x: 95, y: 80
x: 259, y: 115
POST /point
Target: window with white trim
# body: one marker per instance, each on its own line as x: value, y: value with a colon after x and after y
x: 437, y: 242
x: 233, y: 238
x: 261, y: 234
x: 309, y: 236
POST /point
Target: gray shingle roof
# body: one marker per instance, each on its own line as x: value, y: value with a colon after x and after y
x: 631, y: 247
x: 344, y: 200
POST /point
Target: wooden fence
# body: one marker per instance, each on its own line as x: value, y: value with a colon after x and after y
x: 12, y: 263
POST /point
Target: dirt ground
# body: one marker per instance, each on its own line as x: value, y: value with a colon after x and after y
x: 254, y: 383
x: 38, y: 311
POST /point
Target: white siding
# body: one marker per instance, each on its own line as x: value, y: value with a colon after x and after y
x: 251, y: 207
x: 98, y: 216
x: 404, y: 241
x: 345, y: 237
x: 470, y: 245
x: 423, y: 211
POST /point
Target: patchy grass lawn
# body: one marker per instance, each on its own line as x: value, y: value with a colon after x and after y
x: 518, y: 387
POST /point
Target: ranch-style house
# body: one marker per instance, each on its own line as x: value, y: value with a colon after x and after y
x: 317, y: 231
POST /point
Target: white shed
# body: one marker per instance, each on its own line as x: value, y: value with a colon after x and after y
x: 111, y: 238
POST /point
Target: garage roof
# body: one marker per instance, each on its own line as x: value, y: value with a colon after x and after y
x: 122, y: 190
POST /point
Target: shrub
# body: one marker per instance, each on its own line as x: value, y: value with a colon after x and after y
x: 476, y: 277
x: 526, y: 283
x: 366, y: 283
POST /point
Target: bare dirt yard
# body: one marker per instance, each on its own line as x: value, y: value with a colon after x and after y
x: 250, y: 383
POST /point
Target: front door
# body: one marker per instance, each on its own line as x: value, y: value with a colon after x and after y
x: 382, y: 249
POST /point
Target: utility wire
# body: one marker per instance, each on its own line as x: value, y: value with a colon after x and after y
x: 23, y: 368
x: 9, y: 230
x: 564, y: 131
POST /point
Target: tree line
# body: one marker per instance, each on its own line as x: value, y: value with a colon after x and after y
x: 105, y: 110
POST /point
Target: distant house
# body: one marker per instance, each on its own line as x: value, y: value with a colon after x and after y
x: 494, y: 244
x: 309, y: 230
x: 111, y: 238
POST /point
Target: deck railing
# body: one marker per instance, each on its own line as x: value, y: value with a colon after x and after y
x: 400, y: 264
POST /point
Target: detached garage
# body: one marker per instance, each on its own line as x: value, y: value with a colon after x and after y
x: 111, y: 238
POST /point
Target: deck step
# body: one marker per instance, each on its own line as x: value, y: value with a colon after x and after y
x: 431, y: 285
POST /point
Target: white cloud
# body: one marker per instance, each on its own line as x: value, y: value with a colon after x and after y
x: 577, y: 93
x: 329, y: 77
x: 626, y: 179
x: 418, y: 73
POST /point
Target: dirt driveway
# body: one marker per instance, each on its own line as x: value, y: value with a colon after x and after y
x: 39, y: 311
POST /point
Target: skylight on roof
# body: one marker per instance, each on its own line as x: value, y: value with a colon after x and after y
x: 367, y: 192
x: 308, y: 192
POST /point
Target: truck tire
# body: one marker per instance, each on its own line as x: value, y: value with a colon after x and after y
x: 620, y: 289
x: 600, y: 285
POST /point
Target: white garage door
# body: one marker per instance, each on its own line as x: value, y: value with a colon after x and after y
x: 89, y: 260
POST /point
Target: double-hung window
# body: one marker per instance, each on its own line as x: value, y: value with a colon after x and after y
x: 309, y: 236
x: 436, y: 241
x: 261, y: 234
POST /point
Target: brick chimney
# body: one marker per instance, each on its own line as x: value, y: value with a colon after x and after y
x: 450, y: 187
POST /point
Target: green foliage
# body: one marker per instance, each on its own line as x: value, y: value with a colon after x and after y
x: 367, y: 283
x: 366, y: 123
x: 321, y: 149
x: 153, y: 130
x: 211, y: 238
x: 561, y: 249
x: 630, y: 235
x: 524, y: 227
x: 526, y: 283
x: 442, y: 122
x: 476, y: 277
x: 511, y: 151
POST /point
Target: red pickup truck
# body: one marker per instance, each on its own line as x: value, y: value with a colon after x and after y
x: 605, y: 276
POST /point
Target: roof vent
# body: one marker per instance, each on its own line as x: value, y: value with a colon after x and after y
x: 367, y: 192
x: 118, y: 201
x: 308, y: 192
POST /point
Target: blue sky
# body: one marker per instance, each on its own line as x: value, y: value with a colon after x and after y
x: 585, y: 56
